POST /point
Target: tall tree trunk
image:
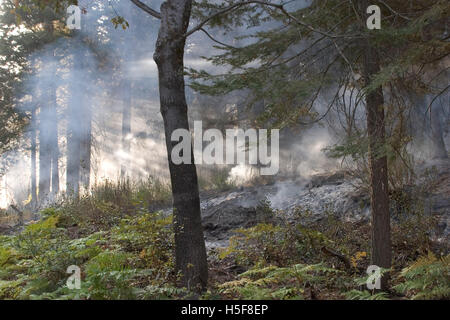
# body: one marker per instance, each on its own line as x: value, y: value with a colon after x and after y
x: 73, y: 134
x: 85, y: 147
x: 190, y: 252
x: 79, y: 127
x: 33, y: 158
x: 379, y: 196
x: 45, y: 157
x: 53, y: 138
x: 437, y: 136
x: 126, y: 126
x: 48, y: 129
x: 73, y: 150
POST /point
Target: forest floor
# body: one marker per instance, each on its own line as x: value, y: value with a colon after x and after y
x: 289, y: 239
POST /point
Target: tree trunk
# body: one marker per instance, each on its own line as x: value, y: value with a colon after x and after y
x: 437, y: 136
x: 45, y: 157
x: 73, y: 152
x: 53, y: 138
x: 190, y: 252
x: 79, y: 127
x: 126, y: 126
x: 73, y: 134
x: 85, y: 147
x: 33, y: 158
x: 379, y: 196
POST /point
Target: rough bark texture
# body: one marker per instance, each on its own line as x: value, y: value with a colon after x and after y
x: 379, y: 196
x: 190, y: 252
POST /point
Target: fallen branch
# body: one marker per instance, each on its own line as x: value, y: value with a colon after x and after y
x: 338, y: 255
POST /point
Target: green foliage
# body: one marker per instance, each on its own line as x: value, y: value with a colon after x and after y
x: 120, y: 21
x: 108, y: 276
x: 427, y: 278
x: 273, y: 282
x: 270, y: 244
x: 108, y: 203
x: 132, y: 259
x: 15, y: 50
x: 366, y: 295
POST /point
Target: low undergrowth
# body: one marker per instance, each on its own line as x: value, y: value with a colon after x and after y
x: 131, y: 260
x: 328, y: 259
x: 124, y: 250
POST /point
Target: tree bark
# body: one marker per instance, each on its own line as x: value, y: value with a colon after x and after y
x: 379, y: 196
x: 190, y: 252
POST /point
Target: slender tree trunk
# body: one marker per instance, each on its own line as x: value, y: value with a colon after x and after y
x: 85, y: 147
x: 437, y: 136
x: 126, y: 126
x: 53, y: 139
x: 33, y: 158
x: 73, y: 134
x: 73, y: 152
x: 44, y: 153
x: 190, y: 252
x: 79, y: 127
x: 379, y: 196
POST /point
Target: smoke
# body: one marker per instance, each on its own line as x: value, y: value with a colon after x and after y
x: 100, y: 70
x: 79, y: 86
x: 307, y: 156
x: 91, y: 75
x: 12, y: 185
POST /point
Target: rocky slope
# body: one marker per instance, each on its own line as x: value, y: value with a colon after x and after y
x: 319, y: 196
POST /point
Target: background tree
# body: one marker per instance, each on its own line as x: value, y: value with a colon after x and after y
x: 19, y: 47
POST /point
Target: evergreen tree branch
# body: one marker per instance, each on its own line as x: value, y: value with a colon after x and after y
x: 263, y: 3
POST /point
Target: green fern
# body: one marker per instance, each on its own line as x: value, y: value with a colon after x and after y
x: 427, y: 278
x: 273, y: 282
x: 366, y: 295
